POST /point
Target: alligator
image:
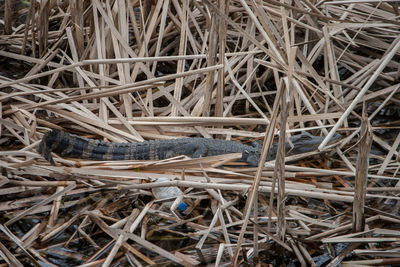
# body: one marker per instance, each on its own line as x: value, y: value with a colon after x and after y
x: 74, y: 146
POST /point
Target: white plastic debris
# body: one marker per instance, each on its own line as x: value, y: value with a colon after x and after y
x: 169, y: 192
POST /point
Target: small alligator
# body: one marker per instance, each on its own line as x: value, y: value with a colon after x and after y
x: 70, y: 145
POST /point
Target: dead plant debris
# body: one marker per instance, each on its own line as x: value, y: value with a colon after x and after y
x: 249, y: 71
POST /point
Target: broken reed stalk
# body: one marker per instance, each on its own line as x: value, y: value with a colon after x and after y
x: 223, y: 6
x: 254, y: 188
x: 361, y: 178
x: 279, y: 170
x: 8, y: 15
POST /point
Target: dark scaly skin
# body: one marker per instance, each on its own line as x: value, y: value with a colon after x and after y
x: 302, y: 143
x: 74, y: 146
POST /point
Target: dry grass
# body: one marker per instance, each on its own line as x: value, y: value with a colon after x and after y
x: 241, y: 70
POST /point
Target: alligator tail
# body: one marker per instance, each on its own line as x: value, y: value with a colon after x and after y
x: 69, y: 145
x: 74, y: 146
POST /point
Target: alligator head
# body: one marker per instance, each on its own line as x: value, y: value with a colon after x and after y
x: 302, y: 143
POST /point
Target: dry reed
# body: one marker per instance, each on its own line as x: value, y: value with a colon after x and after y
x: 128, y: 71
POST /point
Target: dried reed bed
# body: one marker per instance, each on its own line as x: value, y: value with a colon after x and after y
x: 241, y: 70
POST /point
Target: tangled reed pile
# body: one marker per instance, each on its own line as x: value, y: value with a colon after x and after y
x: 133, y: 70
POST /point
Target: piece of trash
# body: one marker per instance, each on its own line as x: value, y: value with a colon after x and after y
x: 167, y: 193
